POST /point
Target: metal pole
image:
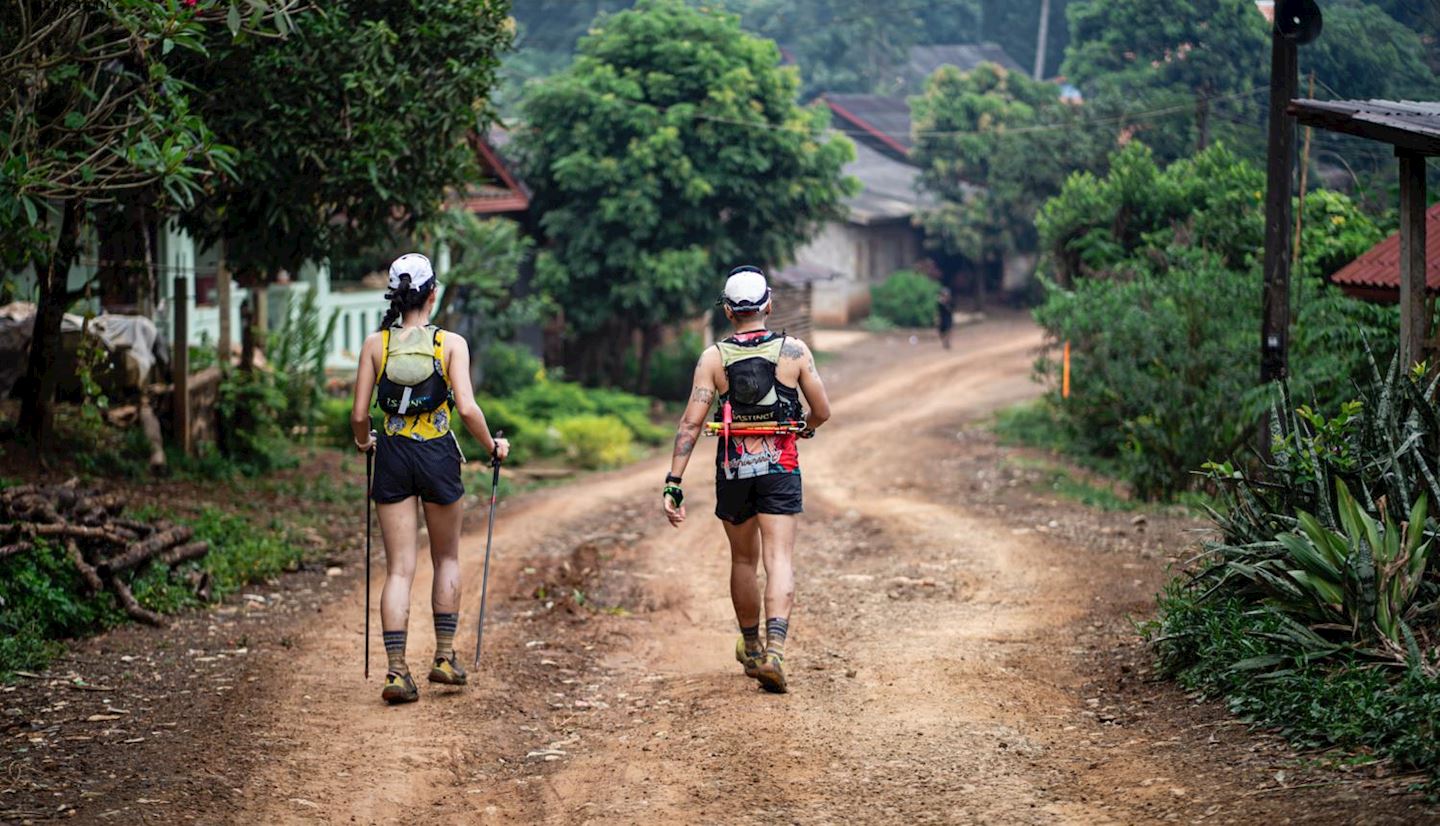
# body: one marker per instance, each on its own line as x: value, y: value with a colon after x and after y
x: 369, y: 477
x: 489, y: 538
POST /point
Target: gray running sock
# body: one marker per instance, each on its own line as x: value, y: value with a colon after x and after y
x: 775, y: 630
x: 445, y: 634
x: 395, y: 651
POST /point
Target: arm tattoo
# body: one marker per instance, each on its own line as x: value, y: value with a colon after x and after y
x: 703, y: 394
x: 792, y: 349
x: 811, y: 368
x: 685, y: 436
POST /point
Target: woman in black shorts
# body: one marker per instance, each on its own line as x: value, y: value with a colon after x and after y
x: 422, y: 375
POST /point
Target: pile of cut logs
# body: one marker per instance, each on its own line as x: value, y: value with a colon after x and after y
x: 102, y: 544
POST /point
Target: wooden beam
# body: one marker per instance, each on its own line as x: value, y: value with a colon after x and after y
x: 1371, y: 125
x: 180, y: 364
x: 1280, y: 168
x: 1413, y: 323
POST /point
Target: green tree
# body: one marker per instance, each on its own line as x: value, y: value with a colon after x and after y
x: 359, y: 127
x: 1366, y: 53
x: 95, y: 114
x: 857, y: 45
x: 1208, y: 51
x: 985, y: 141
x: 671, y: 148
x: 1160, y: 308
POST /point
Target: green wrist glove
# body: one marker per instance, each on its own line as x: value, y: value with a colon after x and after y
x: 674, y: 494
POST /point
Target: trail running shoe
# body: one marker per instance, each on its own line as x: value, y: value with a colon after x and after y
x: 446, y: 670
x: 399, y: 688
x: 751, y: 662
x: 771, y: 673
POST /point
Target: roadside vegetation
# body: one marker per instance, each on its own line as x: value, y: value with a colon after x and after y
x: 44, y: 598
x: 1318, y: 610
x: 905, y: 299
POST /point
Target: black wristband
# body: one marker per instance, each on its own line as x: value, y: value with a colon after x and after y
x: 672, y: 479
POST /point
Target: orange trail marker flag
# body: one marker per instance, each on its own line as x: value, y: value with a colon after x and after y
x: 1065, y: 374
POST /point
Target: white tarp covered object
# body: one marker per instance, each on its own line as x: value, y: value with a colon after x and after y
x: 136, y: 334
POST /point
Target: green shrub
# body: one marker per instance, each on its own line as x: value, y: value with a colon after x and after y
x: 672, y: 367
x: 877, y: 324
x: 297, y: 350
x: 251, y: 438
x: 1315, y: 613
x: 508, y: 369
x: 633, y: 411
x: 1163, y: 363
x: 42, y: 600
x: 595, y: 441
x: 1219, y: 645
x: 905, y: 299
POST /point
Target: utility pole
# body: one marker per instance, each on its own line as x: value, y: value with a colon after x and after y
x: 1041, y: 38
x: 1275, y: 316
x: 1296, y: 22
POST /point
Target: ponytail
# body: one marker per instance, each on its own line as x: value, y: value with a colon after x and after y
x: 392, y: 315
x: 403, y: 299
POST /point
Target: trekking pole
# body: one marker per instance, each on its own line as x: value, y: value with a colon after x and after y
x: 489, y: 536
x: 369, y: 475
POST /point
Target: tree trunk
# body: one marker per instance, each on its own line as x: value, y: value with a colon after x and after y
x: 1202, y: 120
x: 37, y: 410
x: 247, y: 331
x: 648, y: 339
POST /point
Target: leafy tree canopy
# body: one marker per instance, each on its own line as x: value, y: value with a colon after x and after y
x: 1365, y: 53
x: 95, y: 113
x: 1213, y: 51
x: 671, y: 149
x: 986, y: 141
x: 856, y: 45
x: 350, y: 130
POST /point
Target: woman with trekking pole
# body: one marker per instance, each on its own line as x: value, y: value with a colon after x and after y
x: 420, y: 377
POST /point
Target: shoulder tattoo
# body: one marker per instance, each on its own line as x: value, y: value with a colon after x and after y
x: 792, y: 349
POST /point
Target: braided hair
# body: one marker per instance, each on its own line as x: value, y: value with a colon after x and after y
x: 403, y: 299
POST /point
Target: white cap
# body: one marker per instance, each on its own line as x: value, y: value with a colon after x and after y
x: 414, y: 265
x: 746, y: 290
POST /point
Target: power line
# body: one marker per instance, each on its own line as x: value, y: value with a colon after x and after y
x: 1064, y: 126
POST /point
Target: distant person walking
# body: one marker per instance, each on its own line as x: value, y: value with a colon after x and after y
x: 945, y: 314
x: 759, y: 376
x: 420, y: 375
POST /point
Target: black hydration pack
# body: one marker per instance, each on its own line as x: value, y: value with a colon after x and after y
x: 412, y: 378
x: 755, y: 395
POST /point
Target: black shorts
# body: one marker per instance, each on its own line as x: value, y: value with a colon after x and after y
x: 406, y: 468
x: 737, y: 500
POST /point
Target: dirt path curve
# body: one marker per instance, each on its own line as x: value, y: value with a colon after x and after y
x: 933, y: 676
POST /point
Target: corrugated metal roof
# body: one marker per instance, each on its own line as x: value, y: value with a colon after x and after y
x: 924, y: 60
x: 887, y: 192
x: 1379, y: 268
x: 884, y: 119
x: 1408, y: 124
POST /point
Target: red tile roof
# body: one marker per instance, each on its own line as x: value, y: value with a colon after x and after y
x: 505, y: 192
x: 1377, y: 272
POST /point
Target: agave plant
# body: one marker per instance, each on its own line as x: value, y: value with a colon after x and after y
x: 1361, y: 580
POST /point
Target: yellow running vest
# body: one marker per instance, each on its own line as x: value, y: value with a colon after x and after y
x: 421, y: 427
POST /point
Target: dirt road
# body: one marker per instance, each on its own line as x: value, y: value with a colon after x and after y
x: 952, y: 662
